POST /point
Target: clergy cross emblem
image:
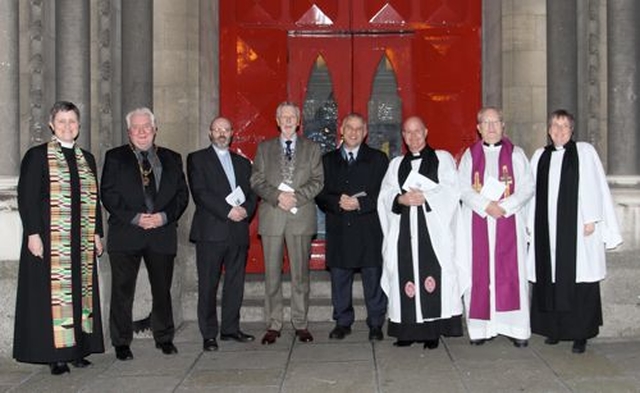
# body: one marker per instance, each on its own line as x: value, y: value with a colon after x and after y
x: 477, y: 186
x: 507, y: 180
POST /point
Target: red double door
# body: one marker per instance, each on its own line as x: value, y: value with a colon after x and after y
x: 384, y: 59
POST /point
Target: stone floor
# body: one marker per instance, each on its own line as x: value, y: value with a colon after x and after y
x: 352, y: 365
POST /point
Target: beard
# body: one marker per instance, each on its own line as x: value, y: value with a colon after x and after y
x: 222, y: 142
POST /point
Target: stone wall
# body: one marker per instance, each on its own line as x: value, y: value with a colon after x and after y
x: 524, y: 72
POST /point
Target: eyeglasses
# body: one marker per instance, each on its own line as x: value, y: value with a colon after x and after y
x: 143, y: 129
x: 220, y: 129
x: 489, y: 123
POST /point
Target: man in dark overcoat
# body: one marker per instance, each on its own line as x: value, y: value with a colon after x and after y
x: 353, y: 174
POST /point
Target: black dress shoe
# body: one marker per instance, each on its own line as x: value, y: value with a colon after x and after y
x: 81, y: 363
x: 579, y: 346
x: 339, y: 332
x: 551, y: 341
x: 270, y: 337
x: 477, y: 342
x: 375, y: 333
x: 123, y: 352
x: 304, y: 335
x: 402, y: 343
x: 239, y: 336
x: 431, y: 344
x: 167, y: 348
x: 58, y: 368
x: 518, y: 343
x: 210, y: 344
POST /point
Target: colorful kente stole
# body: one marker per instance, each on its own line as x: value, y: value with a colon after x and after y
x: 60, y: 207
x: 506, y: 283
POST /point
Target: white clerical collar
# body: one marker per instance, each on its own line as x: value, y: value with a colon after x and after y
x: 219, y: 151
x: 489, y: 146
x: 68, y: 145
x: 559, y: 147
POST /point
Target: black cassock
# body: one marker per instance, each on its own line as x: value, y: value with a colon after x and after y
x: 33, y: 334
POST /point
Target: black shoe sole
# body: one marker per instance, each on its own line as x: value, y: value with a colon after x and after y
x: 59, y: 369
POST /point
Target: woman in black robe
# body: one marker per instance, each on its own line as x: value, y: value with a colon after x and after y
x: 58, y: 305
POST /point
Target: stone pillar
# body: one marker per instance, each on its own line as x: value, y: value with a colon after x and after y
x: 72, y: 61
x: 209, y: 86
x: 9, y: 89
x: 592, y: 74
x: 492, y: 53
x: 35, y: 126
x: 137, y: 56
x: 562, y: 58
x: 622, y: 90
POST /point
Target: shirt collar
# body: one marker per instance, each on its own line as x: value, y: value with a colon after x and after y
x: 219, y: 151
x: 151, y: 152
x: 354, y: 151
x: 293, y: 140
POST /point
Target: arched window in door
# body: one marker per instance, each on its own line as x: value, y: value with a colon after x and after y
x: 385, y: 111
x: 320, y: 110
x: 320, y: 117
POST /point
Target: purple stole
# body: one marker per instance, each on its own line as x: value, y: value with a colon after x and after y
x: 506, y: 252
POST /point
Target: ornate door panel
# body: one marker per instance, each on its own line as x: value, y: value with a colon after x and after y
x: 384, y: 59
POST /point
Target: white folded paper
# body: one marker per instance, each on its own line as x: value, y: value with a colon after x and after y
x: 236, y: 197
x: 492, y: 188
x: 417, y: 181
x: 287, y: 188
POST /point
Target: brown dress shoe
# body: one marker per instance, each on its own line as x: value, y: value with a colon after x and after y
x: 304, y: 335
x: 270, y: 337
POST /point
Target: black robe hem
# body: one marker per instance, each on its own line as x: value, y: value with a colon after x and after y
x: 449, y: 327
x: 582, y: 321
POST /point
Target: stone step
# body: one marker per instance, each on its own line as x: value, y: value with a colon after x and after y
x: 320, y: 308
x: 319, y: 282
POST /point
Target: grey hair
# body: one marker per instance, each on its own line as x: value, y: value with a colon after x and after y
x: 484, y: 110
x: 285, y: 104
x: 141, y: 111
x: 353, y: 115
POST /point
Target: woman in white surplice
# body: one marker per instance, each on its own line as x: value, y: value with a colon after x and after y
x: 572, y: 221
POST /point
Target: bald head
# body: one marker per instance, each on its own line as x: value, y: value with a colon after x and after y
x: 414, y: 133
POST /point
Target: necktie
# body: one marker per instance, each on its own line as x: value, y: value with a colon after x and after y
x: 351, y: 159
x: 148, y: 181
x: 287, y: 150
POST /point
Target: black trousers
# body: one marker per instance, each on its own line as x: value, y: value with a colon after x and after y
x: 342, y: 298
x: 124, y: 272
x: 210, y: 258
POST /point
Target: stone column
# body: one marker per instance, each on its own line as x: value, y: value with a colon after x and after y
x: 209, y: 70
x: 137, y: 56
x: 72, y: 61
x: 492, y: 53
x: 9, y: 89
x: 622, y: 90
x: 562, y: 58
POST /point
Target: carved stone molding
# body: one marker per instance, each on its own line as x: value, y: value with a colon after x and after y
x: 36, y: 74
